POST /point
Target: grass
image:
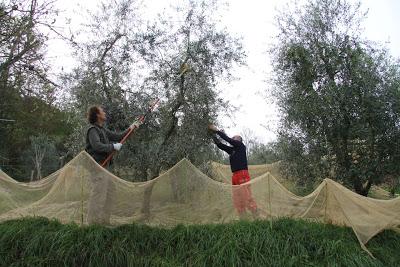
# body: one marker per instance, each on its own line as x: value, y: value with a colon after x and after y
x: 43, y: 242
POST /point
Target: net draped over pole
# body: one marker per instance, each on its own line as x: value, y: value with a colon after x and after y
x: 85, y: 193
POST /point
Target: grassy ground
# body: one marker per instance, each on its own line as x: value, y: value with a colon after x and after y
x: 41, y: 242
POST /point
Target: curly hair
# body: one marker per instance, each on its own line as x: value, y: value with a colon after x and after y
x: 92, y: 113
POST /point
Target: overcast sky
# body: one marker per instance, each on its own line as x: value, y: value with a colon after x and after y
x: 253, y: 20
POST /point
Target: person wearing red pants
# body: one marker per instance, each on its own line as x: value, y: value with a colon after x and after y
x: 242, y: 198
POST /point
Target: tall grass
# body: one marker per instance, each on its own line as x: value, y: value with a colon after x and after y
x: 43, y: 242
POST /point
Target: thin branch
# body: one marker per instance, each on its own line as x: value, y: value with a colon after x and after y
x: 44, y: 78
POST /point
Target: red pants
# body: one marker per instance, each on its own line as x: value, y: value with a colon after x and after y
x: 242, y: 198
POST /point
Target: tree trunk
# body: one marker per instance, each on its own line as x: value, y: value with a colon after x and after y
x: 155, y: 171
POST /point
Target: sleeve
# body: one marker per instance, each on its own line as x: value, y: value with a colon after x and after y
x: 98, y: 146
x: 221, y: 146
x: 116, y: 136
x: 229, y: 140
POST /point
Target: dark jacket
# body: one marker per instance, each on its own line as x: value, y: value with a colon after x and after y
x: 98, y: 141
x: 237, y: 152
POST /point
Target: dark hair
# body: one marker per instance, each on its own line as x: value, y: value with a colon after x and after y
x: 92, y: 114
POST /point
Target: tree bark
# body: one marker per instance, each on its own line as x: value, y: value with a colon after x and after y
x: 155, y: 171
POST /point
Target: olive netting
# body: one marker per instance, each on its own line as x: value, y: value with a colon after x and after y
x: 85, y: 193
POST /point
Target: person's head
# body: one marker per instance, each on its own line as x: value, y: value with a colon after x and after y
x: 96, y: 114
x: 237, y: 138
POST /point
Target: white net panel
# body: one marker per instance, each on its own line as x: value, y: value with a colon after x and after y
x: 85, y: 193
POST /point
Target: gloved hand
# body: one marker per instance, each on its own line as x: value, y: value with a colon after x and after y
x: 117, y: 146
x: 136, y: 124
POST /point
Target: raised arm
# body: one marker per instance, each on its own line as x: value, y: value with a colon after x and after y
x: 116, y: 136
x: 227, y: 149
x: 227, y: 139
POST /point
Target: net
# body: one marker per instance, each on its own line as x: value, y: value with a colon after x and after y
x: 85, y: 193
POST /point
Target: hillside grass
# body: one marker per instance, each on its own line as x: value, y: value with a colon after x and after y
x: 43, y: 242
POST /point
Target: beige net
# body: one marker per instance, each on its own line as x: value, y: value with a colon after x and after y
x: 222, y: 173
x: 85, y: 193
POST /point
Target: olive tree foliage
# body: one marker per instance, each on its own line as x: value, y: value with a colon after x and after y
x: 258, y: 152
x: 261, y: 153
x: 106, y: 53
x: 22, y: 47
x: 25, y: 28
x: 27, y: 92
x: 189, y: 100
x: 178, y: 57
x: 338, y: 95
x: 41, y: 158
